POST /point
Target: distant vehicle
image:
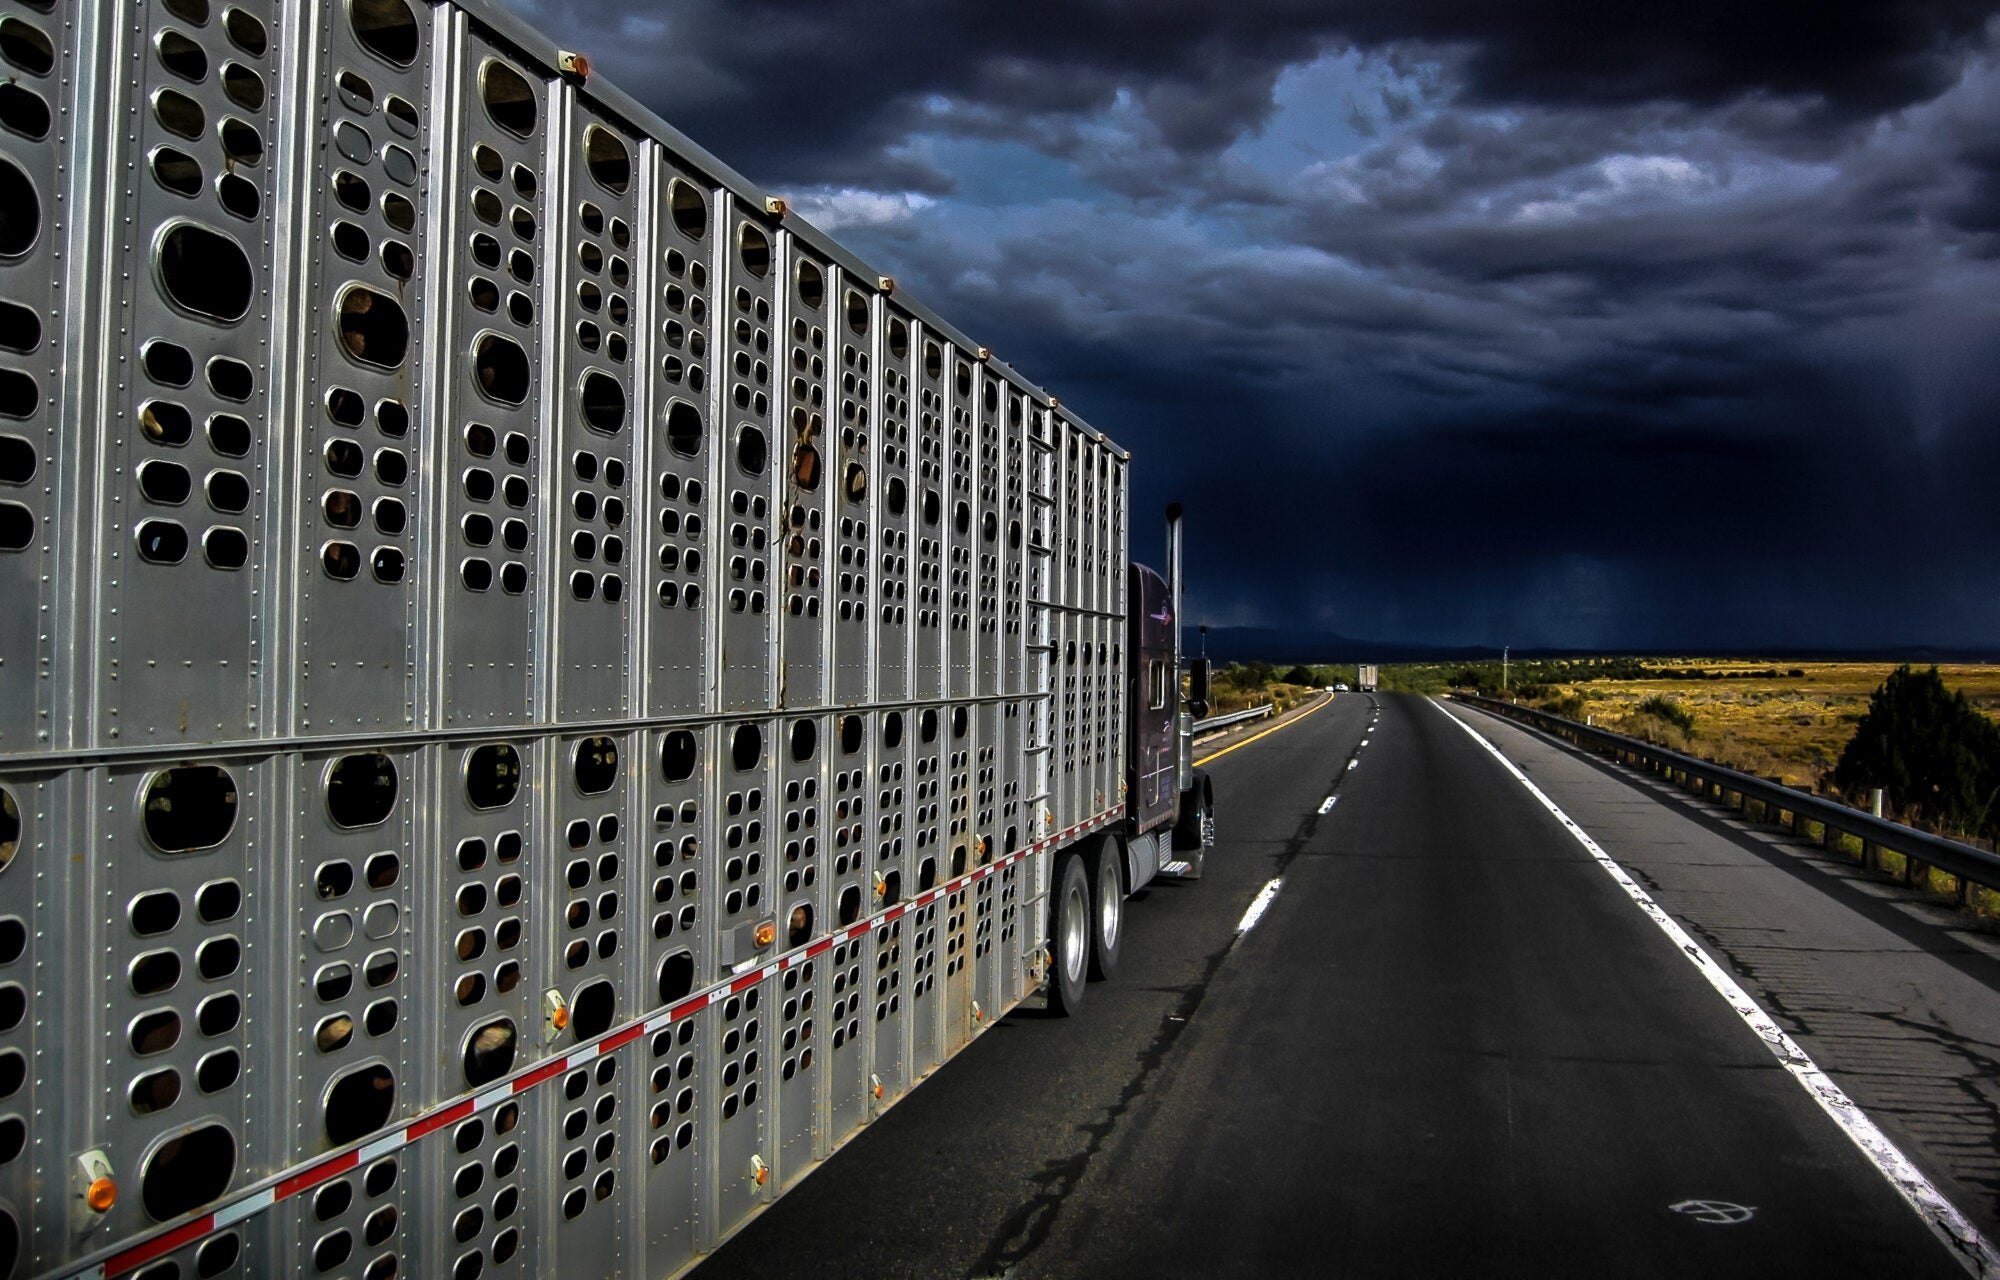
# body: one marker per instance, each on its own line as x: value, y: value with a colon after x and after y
x: 1366, y: 676
x: 1336, y: 688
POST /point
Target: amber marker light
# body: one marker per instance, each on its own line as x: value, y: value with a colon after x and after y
x: 574, y: 64
x: 101, y: 1195
x: 766, y: 934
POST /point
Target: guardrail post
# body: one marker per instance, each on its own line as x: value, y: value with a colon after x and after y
x: 1871, y: 853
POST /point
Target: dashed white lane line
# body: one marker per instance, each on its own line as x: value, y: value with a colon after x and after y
x: 1972, y: 1249
x: 1352, y: 763
x: 1258, y: 906
x: 1326, y: 805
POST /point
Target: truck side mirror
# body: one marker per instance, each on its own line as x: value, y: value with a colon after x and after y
x: 1198, y: 688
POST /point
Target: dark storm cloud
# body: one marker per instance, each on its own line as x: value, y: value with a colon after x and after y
x: 1450, y: 321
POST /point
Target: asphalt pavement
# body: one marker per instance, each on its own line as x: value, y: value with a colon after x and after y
x: 1449, y: 1044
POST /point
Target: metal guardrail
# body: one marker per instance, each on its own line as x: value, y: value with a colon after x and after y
x: 1786, y: 806
x: 1235, y: 717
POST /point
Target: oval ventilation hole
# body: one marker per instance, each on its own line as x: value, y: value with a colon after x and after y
x: 373, y: 328
x: 596, y: 765
x: 690, y: 208
x: 17, y: 460
x: 603, y: 402
x: 387, y: 29
x: 897, y: 496
x: 10, y: 828
x: 857, y: 311
x: 359, y: 1102
x: 510, y: 99
x: 489, y: 1052
x: 246, y: 31
x: 678, y: 755
x: 592, y: 1009
x: 360, y: 789
x: 812, y: 284
x: 187, y: 1171
x: 167, y: 363
x: 204, y: 272
x: 178, y: 54
x: 854, y: 485
x: 805, y: 740
x: 159, y: 541
x: 683, y: 428
x: 20, y: 210
x: 177, y: 171
x: 752, y: 454
x: 607, y: 158
x: 933, y: 507
x: 492, y: 776
x: 225, y: 548
x: 754, y: 247
x: 18, y: 394
x: 746, y: 748
x: 805, y: 468
x: 676, y: 976
x: 500, y: 367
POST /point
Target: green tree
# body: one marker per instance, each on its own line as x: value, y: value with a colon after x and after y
x: 1298, y: 675
x: 1932, y: 753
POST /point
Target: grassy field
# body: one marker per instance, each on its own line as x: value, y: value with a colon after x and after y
x: 1788, y: 726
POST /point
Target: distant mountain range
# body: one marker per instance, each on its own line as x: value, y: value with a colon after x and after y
x: 1285, y: 646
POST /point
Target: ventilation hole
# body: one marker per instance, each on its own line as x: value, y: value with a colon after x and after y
x: 805, y: 740
x: 603, y: 402
x: 189, y: 808
x: 238, y: 195
x: 360, y: 791
x: 20, y: 210
x: 683, y: 428
x: 854, y: 485
x: 596, y: 765
x: 150, y: 913
x: 812, y: 284
x: 167, y: 483
x: 752, y: 454
x: 489, y: 1052
x: 897, y: 497
x: 386, y: 28
x: 754, y: 247
x: 179, y: 114
x: 227, y: 490
x: 18, y: 394
x: 218, y: 958
x: 244, y: 86
x: 225, y: 548
x: 218, y: 1255
x: 177, y: 171
x: 202, y: 271
x: 471, y: 989
x: 373, y: 327
x: 592, y: 1009
x: 178, y: 54
x: 194, y: 11
x: 501, y: 368
x: 218, y: 1070
x: 166, y: 363
x: 492, y: 775
x: 155, y: 972
x: 690, y: 208
x: 398, y: 260
x: 607, y: 158
x: 246, y: 31
x: 398, y: 212
x: 342, y: 508
x: 933, y: 507
x: 342, y: 560
x: 746, y: 748
x: 510, y: 99
x: 380, y: 969
x: 798, y: 928
x: 187, y: 1171
x: 155, y: 1091
x: 344, y: 407
x: 359, y: 1102
x: 677, y: 756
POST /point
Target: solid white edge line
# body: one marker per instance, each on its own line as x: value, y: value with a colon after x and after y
x: 1945, y: 1221
x: 1258, y: 906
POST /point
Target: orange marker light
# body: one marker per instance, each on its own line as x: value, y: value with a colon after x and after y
x: 560, y: 1019
x: 766, y: 933
x: 102, y: 1194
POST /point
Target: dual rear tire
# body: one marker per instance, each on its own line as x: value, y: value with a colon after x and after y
x: 1088, y: 929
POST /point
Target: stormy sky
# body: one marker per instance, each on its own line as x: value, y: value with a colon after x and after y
x: 1549, y: 323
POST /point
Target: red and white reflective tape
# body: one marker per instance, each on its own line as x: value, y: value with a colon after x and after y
x: 305, y: 1177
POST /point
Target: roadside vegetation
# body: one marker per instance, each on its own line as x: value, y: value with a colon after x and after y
x: 1928, y: 737
x: 1242, y: 685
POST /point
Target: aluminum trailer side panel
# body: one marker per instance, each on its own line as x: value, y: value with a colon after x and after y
x: 537, y: 692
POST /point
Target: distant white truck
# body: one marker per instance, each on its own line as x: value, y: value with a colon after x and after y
x: 1365, y: 678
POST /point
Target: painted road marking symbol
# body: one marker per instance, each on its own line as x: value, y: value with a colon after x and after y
x: 1720, y: 1213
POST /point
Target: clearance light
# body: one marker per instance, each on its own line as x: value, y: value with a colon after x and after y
x: 574, y: 64
x: 775, y: 206
x: 766, y: 934
x: 555, y: 1012
x: 875, y: 1086
x: 760, y: 1173
x: 978, y: 1014
x: 101, y: 1195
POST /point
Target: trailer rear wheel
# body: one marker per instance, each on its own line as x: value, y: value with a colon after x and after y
x: 1069, y: 934
x: 1107, y: 898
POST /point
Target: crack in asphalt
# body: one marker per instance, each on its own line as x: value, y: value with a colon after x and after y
x: 1028, y: 1227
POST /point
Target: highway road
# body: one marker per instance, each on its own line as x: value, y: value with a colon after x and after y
x: 1451, y: 1043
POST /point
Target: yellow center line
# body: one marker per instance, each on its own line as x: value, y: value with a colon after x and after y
x: 1326, y: 702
